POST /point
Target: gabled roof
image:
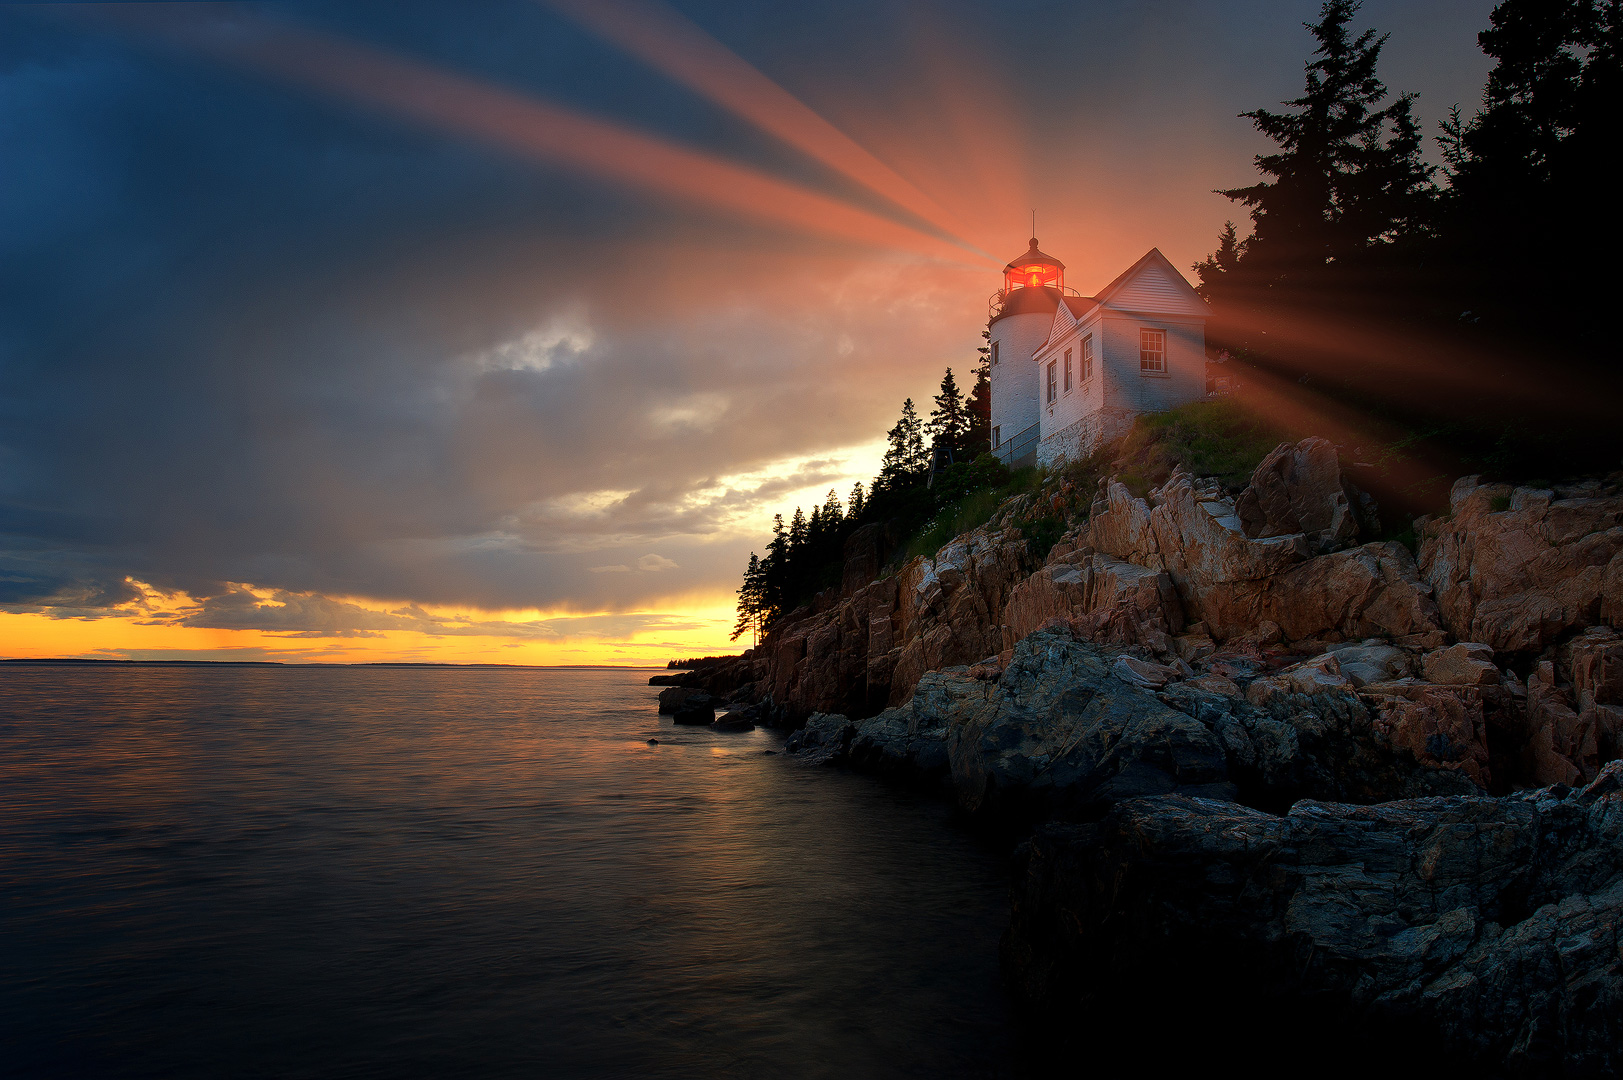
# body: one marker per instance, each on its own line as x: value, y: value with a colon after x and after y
x: 1071, y: 311
x: 1162, y: 283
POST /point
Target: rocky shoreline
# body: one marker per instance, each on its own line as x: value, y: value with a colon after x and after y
x: 1384, y: 782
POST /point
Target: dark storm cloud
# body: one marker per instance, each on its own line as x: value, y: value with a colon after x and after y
x: 253, y: 335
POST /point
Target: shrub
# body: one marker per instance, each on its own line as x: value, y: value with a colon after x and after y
x: 1206, y: 438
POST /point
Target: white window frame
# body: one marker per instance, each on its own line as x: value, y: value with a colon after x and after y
x: 994, y: 352
x: 1068, y: 382
x: 997, y: 436
x: 1053, y: 381
x: 1152, y: 350
x: 1087, y: 358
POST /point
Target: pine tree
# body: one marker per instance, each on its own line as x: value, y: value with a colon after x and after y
x: 978, y: 438
x: 948, y: 426
x: 853, y: 513
x: 751, y: 601
x: 833, y: 512
x: 1348, y: 172
x: 1529, y: 185
x: 797, y: 532
x: 1221, y: 267
x: 905, y: 457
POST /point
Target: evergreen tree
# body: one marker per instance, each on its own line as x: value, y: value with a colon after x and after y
x: 1348, y: 171
x: 853, y: 513
x: 905, y: 457
x: 948, y: 426
x: 797, y: 532
x: 978, y: 438
x: 833, y: 512
x: 1529, y: 187
x: 1220, y: 268
x: 751, y: 601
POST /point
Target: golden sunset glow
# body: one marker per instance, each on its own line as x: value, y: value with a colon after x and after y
x: 701, y: 629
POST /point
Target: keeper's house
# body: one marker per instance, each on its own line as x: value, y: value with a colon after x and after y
x: 1070, y: 372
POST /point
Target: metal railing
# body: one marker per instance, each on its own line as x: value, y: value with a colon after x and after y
x: 994, y: 305
x: 1013, y: 451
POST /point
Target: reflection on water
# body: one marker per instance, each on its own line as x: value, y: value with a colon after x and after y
x: 482, y: 872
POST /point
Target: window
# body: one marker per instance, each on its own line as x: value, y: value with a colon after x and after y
x: 1067, y: 371
x: 994, y: 352
x: 1053, y: 380
x: 1152, y: 351
x: 1087, y: 358
x: 997, y: 436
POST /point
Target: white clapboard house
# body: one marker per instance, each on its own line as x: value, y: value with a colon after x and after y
x: 1070, y: 372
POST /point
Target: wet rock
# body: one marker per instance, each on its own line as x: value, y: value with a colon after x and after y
x: 823, y: 740
x: 1058, y: 733
x: 1490, y: 923
x: 694, y: 713
x: 678, y: 697
x: 733, y: 721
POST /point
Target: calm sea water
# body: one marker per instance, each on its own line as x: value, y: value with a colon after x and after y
x: 310, y: 872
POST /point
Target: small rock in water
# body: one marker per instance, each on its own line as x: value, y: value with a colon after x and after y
x: 769, y: 751
x: 653, y: 742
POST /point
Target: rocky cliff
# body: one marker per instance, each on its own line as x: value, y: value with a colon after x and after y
x: 1248, y: 733
x: 1494, y: 652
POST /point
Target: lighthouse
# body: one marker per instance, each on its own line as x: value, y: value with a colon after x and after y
x: 1070, y: 373
x: 1022, y: 313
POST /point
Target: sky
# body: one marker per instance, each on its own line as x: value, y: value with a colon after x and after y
x: 496, y: 331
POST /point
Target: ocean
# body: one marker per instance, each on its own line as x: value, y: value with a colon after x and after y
x: 417, y: 871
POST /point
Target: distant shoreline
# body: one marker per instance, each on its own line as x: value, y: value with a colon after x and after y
x: 72, y: 661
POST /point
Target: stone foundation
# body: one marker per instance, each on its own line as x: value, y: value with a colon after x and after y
x: 1078, y: 440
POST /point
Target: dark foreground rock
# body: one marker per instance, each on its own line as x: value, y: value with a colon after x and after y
x: 1069, y: 727
x: 1492, y: 923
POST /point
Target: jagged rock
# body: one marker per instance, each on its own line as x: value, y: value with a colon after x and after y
x: 1365, y: 664
x: 733, y: 721
x: 1492, y: 923
x: 1298, y: 489
x: 1057, y: 734
x: 1315, y: 676
x: 1142, y: 674
x: 865, y: 551
x: 911, y: 740
x: 1283, y: 744
x: 823, y: 740
x: 1516, y: 568
x: 1102, y: 597
x: 675, y: 698
x: 1120, y: 527
x: 1200, y: 540
x: 1234, y: 584
x: 1441, y: 727
x: 1466, y: 664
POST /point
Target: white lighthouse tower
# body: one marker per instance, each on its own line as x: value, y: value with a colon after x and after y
x: 1022, y: 313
